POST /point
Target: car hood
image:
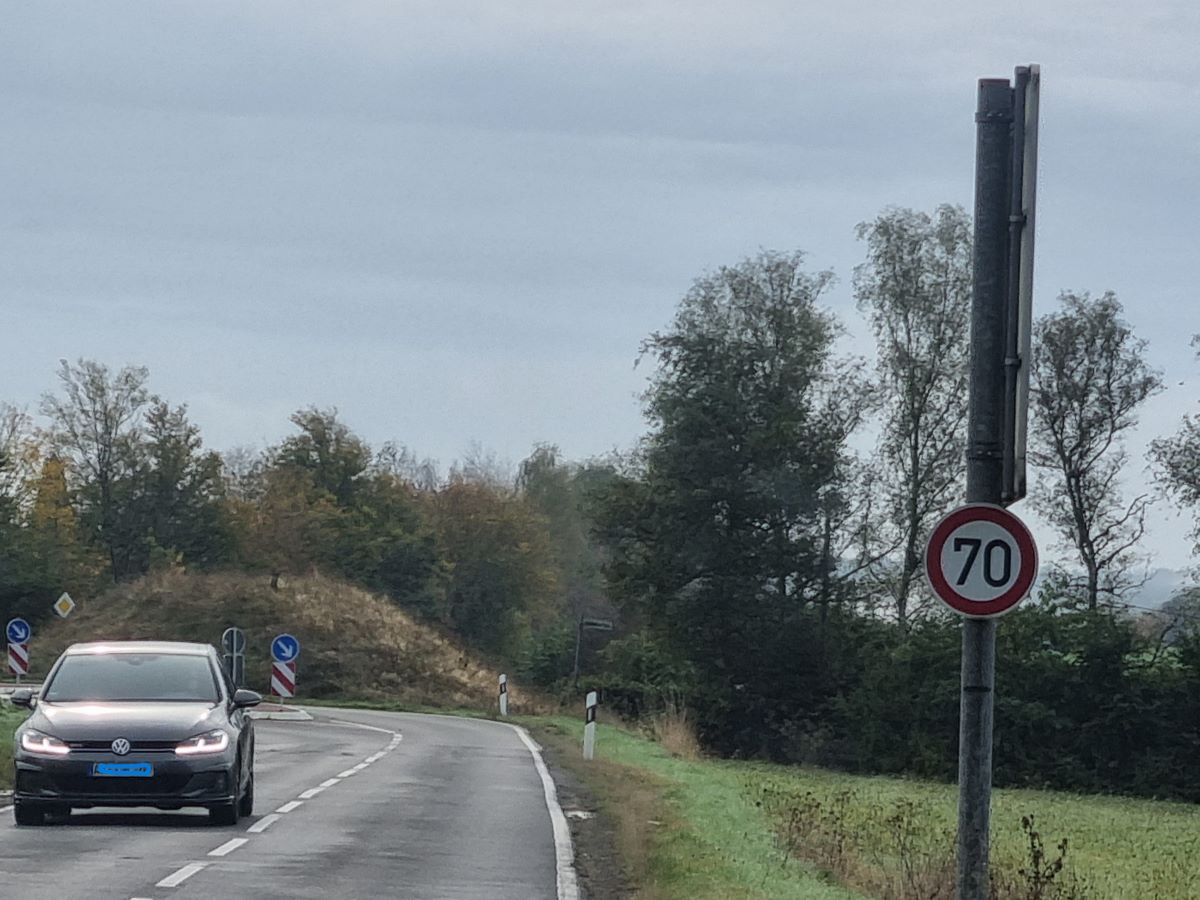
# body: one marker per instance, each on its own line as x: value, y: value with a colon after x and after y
x: 135, y: 721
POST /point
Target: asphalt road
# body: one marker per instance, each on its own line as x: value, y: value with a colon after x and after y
x: 350, y: 805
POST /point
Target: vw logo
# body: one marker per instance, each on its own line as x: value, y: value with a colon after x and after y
x: 120, y: 746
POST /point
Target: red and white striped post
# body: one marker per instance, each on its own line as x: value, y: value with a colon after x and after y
x: 18, y: 660
x: 504, y: 695
x: 283, y: 679
x: 589, y: 726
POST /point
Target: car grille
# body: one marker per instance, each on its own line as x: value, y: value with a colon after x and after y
x: 85, y: 785
x: 134, y: 746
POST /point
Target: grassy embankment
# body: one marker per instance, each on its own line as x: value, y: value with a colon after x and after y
x: 353, y: 643
x: 750, y: 830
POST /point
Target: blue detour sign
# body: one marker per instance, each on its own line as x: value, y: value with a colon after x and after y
x: 285, y: 648
x: 18, y: 631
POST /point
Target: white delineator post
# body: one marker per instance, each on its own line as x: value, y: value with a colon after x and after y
x: 589, y: 726
x: 504, y: 695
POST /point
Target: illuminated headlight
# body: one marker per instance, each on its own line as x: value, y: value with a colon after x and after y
x: 43, y: 744
x: 212, y: 742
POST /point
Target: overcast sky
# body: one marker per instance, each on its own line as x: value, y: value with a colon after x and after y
x: 455, y: 221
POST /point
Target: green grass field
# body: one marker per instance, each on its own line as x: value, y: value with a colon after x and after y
x: 881, y: 836
x: 702, y: 834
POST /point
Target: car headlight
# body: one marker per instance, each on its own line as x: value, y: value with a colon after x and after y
x: 212, y: 742
x: 42, y: 744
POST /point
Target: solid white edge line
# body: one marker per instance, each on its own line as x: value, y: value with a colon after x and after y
x: 228, y: 847
x: 263, y: 824
x: 179, y: 876
x: 289, y: 806
x: 564, y: 850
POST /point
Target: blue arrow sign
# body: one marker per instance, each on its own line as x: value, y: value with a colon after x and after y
x: 18, y: 631
x: 285, y: 648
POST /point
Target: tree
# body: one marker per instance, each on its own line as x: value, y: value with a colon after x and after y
x: 500, y: 580
x: 325, y: 447
x: 384, y: 542
x: 19, y: 459
x: 717, y: 542
x: 289, y: 527
x: 97, y: 427
x: 179, y: 498
x: 1089, y: 377
x: 915, y: 288
x: 1177, y: 460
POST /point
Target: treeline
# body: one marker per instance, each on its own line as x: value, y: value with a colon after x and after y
x: 768, y: 552
x: 759, y: 551
x: 114, y: 482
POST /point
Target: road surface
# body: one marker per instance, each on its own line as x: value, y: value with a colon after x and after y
x: 350, y: 805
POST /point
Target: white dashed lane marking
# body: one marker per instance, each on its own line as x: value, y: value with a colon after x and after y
x: 228, y: 847
x: 179, y: 876
x: 264, y: 823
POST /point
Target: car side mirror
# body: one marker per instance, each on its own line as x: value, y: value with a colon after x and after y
x: 243, y: 698
x: 22, y: 697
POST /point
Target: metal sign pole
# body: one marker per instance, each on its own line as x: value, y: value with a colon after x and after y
x: 985, y: 470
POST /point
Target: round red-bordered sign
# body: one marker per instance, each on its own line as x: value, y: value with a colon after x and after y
x: 981, y: 560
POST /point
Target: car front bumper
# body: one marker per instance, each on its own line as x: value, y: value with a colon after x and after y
x: 175, y: 782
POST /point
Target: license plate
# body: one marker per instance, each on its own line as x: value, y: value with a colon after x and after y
x: 123, y: 770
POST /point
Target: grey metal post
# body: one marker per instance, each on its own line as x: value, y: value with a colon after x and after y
x: 984, y: 470
x: 578, y: 642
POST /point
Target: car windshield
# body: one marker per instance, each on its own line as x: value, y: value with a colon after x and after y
x: 133, y: 676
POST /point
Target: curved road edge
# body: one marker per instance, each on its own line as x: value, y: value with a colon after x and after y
x: 564, y: 849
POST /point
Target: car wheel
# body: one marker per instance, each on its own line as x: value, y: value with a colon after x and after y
x: 225, y: 814
x: 246, y: 804
x: 29, y: 813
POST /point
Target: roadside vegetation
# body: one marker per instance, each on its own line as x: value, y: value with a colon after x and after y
x: 754, y: 560
x: 704, y: 828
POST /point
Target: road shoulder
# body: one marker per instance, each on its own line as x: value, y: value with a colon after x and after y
x: 605, y: 870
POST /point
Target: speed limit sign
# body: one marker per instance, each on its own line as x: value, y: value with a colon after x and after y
x: 981, y: 560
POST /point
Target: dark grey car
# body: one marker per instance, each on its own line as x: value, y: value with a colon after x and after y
x: 135, y: 723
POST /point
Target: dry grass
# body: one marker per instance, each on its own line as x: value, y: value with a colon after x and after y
x: 354, y: 643
x: 676, y: 732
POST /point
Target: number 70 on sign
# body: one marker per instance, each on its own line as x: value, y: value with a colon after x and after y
x: 981, y: 560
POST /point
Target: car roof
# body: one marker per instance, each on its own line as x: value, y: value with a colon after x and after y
x: 182, y: 648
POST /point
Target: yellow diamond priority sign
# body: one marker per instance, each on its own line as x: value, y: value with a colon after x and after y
x: 64, y: 604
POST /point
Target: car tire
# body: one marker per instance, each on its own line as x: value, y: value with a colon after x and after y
x: 29, y: 813
x: 245, y: 806
x: 225, y: 814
